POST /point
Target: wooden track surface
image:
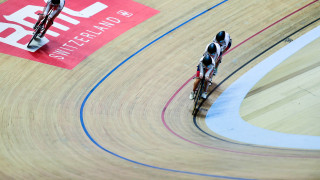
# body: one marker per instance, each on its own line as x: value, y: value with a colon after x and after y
x: 41, y: 132
x: 295, y: 105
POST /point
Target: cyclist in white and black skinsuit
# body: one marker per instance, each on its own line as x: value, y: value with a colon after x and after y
x: 214, y: 50
x: 208, y: 62
x: 57, y: 6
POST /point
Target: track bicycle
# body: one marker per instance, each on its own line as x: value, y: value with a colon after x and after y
x: 198, y: 94
x: 40, y: 27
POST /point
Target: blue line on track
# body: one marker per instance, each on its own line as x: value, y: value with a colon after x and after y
x: 112, y: 71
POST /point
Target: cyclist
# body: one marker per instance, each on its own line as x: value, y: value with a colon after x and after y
x: 224, y: 40
x: 57, y: 6
x: 214, y: 50
x: 206, y: 63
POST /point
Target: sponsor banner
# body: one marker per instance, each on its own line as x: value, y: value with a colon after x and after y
x: 81, y: 28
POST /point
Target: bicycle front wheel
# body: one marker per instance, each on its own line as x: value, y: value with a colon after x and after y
x: 198, y: 96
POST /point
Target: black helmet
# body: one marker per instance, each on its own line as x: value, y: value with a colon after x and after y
x: 220, y: 36
x: 207, y: 60
x: 212, y: 49
x: 55, y: 2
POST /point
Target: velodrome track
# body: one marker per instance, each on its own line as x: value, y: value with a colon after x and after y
x: 124, y: 112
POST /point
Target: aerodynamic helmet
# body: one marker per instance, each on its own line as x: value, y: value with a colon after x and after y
x: 220, y: 36
x: 207, y: 60
x: 212, y: 49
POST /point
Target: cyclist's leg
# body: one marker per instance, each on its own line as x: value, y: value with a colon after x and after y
x: 218, y: 61
x: 47, y: 26
x: 39, y: 20
x: 204, y: 94
x: 210, y: 77
x: 51, y: 18
x: 44, y: 12
x: 195, y: 84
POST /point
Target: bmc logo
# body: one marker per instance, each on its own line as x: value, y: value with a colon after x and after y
x: 79, y: 30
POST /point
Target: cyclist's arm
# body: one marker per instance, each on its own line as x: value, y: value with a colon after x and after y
x: 201, y: 68
x: 229, y: 45
x: 47, y: 8
x: 210, y: 69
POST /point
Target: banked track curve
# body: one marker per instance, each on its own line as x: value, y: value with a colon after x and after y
x: 112, y: 71
x: 228, y: 77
